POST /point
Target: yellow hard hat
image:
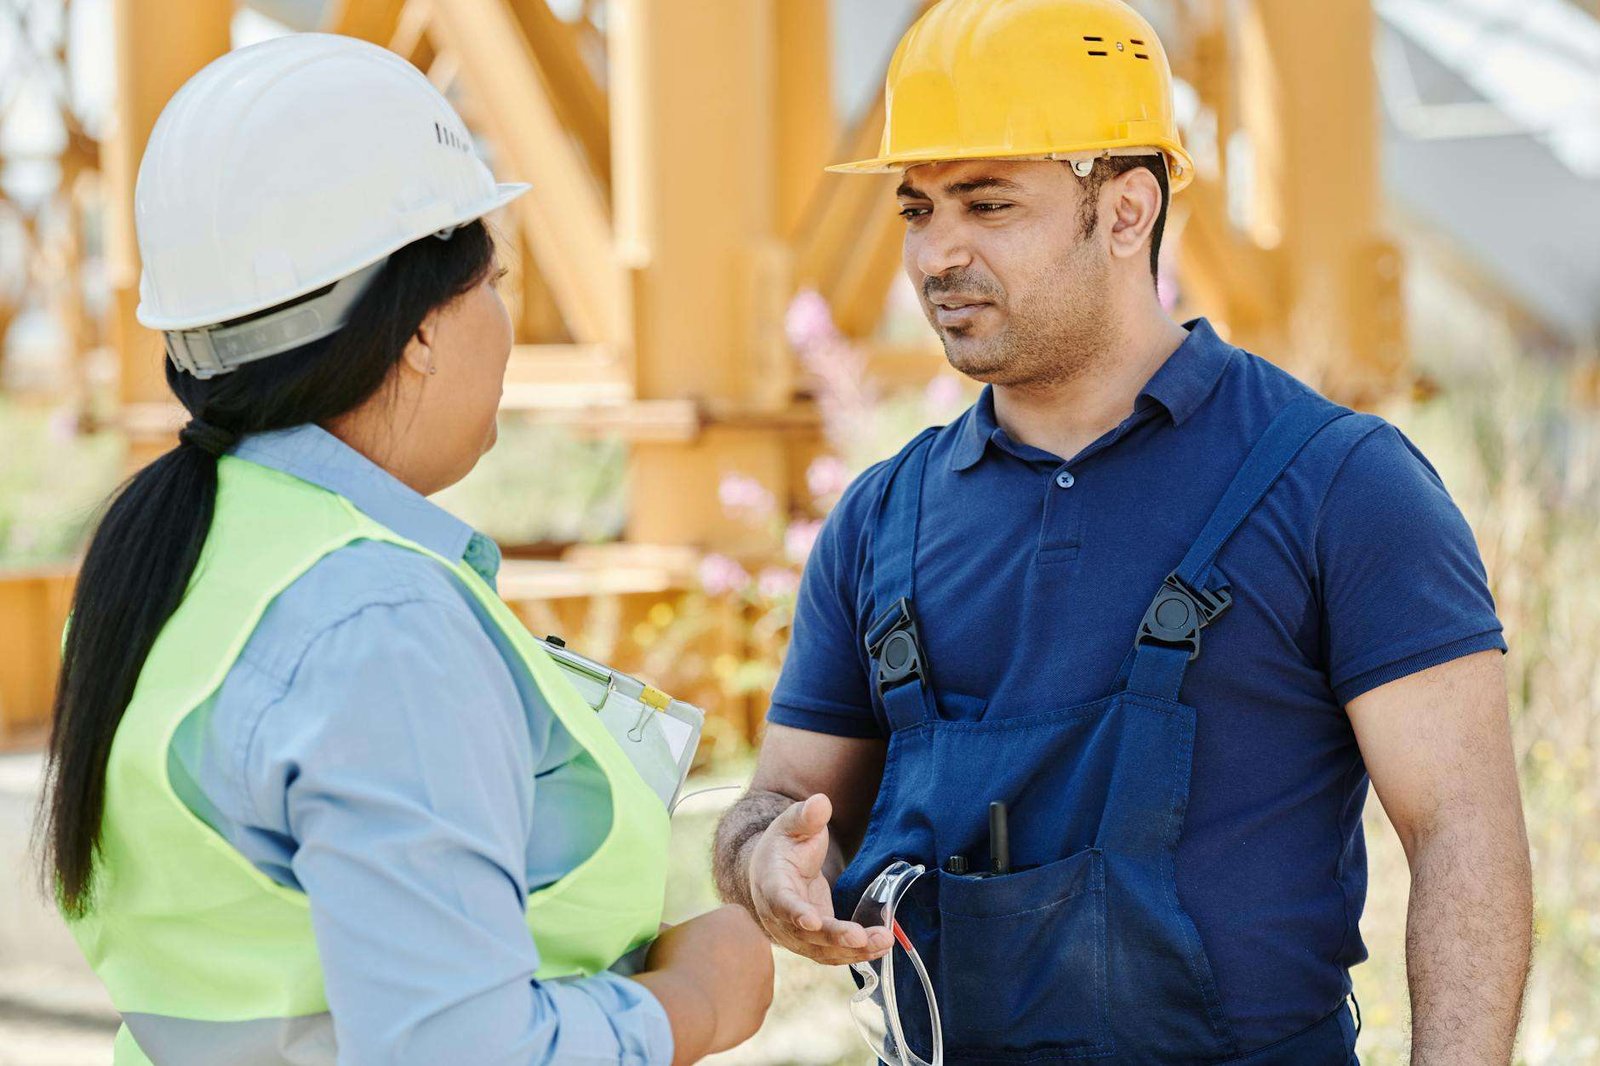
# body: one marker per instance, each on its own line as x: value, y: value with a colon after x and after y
x: 1020, y: 79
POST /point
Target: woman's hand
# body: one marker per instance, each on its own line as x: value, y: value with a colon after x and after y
x: 713, y: 976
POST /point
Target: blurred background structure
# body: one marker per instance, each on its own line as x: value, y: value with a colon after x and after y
x: 1398, y: 200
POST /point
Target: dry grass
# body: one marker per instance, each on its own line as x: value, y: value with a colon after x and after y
x: 1523, y: 462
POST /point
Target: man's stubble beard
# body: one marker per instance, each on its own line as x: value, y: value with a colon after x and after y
x: 1056, y: 337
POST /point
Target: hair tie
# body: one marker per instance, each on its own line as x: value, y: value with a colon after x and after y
x: 213, y: 440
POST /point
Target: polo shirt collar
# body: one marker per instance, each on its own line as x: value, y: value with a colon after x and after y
x: 312, y: 454
x: 1180, y: 385
x: 1189, y: 375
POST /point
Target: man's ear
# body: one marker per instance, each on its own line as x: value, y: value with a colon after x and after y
x: 1135, y: 206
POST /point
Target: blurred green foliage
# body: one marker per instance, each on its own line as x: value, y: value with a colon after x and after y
x: 53, y: 481
x: 543, y: 484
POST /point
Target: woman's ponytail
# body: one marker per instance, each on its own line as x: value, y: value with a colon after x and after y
x: 134, y: 574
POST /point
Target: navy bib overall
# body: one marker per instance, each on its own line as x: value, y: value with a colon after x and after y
x: 1083, y: 951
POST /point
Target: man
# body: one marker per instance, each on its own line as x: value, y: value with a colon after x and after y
x: 1155, y: 596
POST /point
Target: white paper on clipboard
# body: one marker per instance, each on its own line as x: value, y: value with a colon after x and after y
x: 658, y: 734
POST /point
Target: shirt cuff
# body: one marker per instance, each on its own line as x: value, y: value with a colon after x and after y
x: 860, y: 725
x: 1368, y: 680
x: 634, y: 1016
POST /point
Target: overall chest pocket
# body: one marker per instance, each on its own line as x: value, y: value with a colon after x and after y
x: 1023, y: 962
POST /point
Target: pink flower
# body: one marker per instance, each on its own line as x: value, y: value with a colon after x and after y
x: 809, y: 322
x: 942, y: 394
x: 798, y: 539
x: 827, y: 477
x: 745, y: 497
x: 776, y: 583
x: 720, y: 575
x: 1167, y: 281
x: 63, y: 424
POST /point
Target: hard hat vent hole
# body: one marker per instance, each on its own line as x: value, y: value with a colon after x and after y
x: 1140, y: 55
x: 1135, y: 40
x: 1097, y: 53
x: 1094, y: 38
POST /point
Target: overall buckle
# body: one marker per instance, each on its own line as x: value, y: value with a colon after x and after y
x: 895, y: 643
x: 1179, y: 613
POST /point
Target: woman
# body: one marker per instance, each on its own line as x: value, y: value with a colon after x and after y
x: 312, y: 785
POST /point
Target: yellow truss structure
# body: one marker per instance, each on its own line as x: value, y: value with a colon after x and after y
x: 680, y: 203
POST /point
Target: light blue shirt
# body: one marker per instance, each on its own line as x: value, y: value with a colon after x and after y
x: 378, y: 748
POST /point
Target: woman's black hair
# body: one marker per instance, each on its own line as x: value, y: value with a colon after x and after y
x: 144, y: 551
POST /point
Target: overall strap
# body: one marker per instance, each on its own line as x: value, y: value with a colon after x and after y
x: 899, y: 673
x: 1169, y: 636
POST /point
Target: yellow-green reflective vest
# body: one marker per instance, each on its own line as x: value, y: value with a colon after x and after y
x: 208, y: 959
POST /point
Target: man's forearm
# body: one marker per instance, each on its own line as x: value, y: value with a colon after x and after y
x: 741, y: 826
x: 1469, y: 936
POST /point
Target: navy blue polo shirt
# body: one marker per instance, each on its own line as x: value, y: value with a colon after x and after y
x: 1033, y: 574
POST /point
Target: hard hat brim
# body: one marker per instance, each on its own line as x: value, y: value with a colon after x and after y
x: 1180, y: 167
x: 503, y: 194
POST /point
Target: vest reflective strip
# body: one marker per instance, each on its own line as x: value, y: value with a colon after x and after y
x: 301, y: 1041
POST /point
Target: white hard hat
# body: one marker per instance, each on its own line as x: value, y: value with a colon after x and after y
x: 280, y: 169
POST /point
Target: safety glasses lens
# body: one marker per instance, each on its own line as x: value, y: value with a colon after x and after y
x: 894, y: 1006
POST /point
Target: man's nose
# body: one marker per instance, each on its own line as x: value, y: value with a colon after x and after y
x: 941, y: 247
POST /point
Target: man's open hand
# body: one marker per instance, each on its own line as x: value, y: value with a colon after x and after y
x: 793, y: 900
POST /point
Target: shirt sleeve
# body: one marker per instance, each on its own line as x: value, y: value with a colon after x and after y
x: 409, y: 793
x: 823, y: 685
x: 1403, y: 587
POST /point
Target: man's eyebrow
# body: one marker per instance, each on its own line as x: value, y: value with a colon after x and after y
x: 963, y: 188
x: 983, y: 184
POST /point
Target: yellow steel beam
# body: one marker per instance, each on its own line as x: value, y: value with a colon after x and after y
x: 564, y: 376
x: 695, y: 151
x: 804, y: 113
x: 848, y: 248
x: 840, y: 206
x: 371, y: 20
x: 33, y: 610
x: 159, y: 46
x: 692, y: 90
x: 409, y: 36
x: 566, y: 218
x: 576, y: 95
x: 862, y: 278
x: 1226, y: 276
x: 1318, y: 195
x: 533, y: 307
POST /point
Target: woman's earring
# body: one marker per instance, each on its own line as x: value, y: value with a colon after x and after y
x: 432, y: 369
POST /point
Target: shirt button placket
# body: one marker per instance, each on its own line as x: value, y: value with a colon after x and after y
x: 1065, y: 480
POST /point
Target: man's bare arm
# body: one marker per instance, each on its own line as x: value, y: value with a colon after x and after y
x: 1438, y: 747
x: 803, y: 815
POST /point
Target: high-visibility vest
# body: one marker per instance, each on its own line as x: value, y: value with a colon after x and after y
x: 207, y: 958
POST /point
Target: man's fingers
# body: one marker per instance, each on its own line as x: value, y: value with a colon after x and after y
x: 847, y: 937
x: 802, y: 821
x: 845, y: 934
x: 805, y: 924
x: 816, y: 947
x: 836, y: 956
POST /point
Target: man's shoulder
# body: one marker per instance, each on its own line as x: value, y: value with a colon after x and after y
x: 1360, y: 458
x: 1257, y: 390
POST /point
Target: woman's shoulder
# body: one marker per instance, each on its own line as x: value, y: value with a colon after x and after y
x: 359, y: 579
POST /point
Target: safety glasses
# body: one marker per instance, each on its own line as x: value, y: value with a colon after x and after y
x: 898, y: 1020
